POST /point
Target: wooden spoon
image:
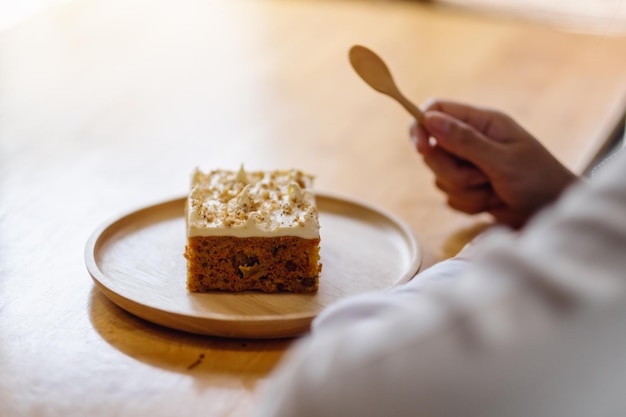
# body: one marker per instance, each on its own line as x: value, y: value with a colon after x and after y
x: 373, y: 70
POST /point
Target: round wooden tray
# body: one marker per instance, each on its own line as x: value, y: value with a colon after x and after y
x: 137, y: 261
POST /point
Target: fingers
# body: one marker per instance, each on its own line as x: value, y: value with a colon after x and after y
x: 420, y: 138
x: 454, y: 173
x: 480, y: 118
x: 481, y: 160
x: 493, y: 124
x: 468, y: 189
x: 450, y: 148
x: 462, y: 140
x: 472, y: 200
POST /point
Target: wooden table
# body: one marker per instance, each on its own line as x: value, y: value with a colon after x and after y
x: 106, y: 106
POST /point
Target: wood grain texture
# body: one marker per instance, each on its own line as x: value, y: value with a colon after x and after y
x: 108, y: 105
x: 137, y: 262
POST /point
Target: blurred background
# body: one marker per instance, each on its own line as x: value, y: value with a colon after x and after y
x: 603, y: 16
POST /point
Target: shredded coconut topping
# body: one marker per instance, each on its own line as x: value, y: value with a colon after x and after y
x: 255, y: 203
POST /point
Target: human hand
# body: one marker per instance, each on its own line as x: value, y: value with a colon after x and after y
x: 485, y: 162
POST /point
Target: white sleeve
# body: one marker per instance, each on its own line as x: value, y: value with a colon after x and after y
x: 436, y: 278
x: 375, y: 304
x: 537, y: 327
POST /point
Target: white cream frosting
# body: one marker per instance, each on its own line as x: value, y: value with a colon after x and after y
x: 252, y: 204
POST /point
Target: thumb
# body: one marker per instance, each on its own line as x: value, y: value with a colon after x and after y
x: 461, y: 140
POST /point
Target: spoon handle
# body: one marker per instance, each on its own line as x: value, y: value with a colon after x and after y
x: 410, y: 107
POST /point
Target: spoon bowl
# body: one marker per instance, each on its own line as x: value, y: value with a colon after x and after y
x: 373, y: 70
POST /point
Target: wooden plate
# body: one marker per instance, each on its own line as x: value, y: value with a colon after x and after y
x: 137, y: 261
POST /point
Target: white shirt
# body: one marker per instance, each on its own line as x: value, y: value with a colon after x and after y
x: 519, y: 324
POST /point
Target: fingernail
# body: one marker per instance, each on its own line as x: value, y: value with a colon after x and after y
x: 413, y: 127
x: 438, y: 123
x: 413, y: 133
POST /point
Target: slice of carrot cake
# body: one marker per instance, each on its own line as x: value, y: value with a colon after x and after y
x: 256, y: 230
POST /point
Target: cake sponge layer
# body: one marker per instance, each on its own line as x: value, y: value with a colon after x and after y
x: 224, y: 263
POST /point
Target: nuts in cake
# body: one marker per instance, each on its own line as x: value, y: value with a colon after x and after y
x: 256, y: 230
